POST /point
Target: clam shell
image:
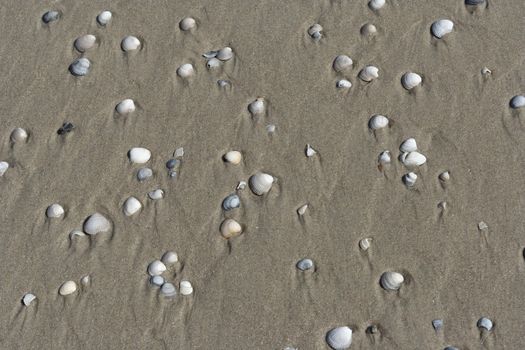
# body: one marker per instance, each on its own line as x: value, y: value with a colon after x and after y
x: 131, y: 206
x: 104, y: 18
x: 409, y: 145
x: 169, y: 258
x: 50, y: 16
x: 261, y: 183
x: 257, y: 107
x: 437, y: 324
x: 441, y: 27
x: 168, y: 290
x: 28, y: 299
x: 391, y: 280
x: 309, y: 151
x: 411, y: 80
x: 187, y: 23
x: 230, y: 228
x: 444, y: 176
x: 85, y: 280
x: 68, y: 287
x: 368, y: 29
x: 343, y: 84
x: 369, y: 73
x: 96, y: 223
x: 341, y: 63
x: 410, y: 179
x: 364, y: 244
x: 156, y: 194
x: 85, y: 42
x: 339, y: 338
x: 413, y: 159
x: 474, y: 2
x: 315, y: 31
x: 139, y: 155
x: 378, y: 122
x: 80, y: 67
x: 231, y: 202
x: 376, y: 4
x: 144, y: 173
x: 19, y: 135
x: 233, y: 157
x: 55, y: 211
x: 125, y: 106
x: 157, y: 281
x: 485, y: 323
x: 156, y: 268
x: 213, y: 63
x: 305, y: 264
x: 225, y: 54
x: 185, y: 71
x: 3, y: 167
x: 517, y: 101
x: 130, y: 43
x: 302, y: 210
x: 384, y: 157
x: 185, y: 287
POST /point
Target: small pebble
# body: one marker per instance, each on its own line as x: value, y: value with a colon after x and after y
x: 168, y: 290
x: 104, y: 18
x: 65, y: 128
x: 28, y: 299
x: 51, y: 16
x: 80, y: 67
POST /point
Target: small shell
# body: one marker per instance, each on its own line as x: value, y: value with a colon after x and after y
x: 315, y: 31
x: 139, y: 155
x: 409, y: 145
x: 213, y: 63
x: 85, y: 280
x: 451, y: 348
x: 231, y: 202
x: 365, y: 243
x: 305, y: 264
x: 130, y: 43
x: 368, y: 29
x: 19, y: 135
x: 187, y: 23
x: 302, y: 210
x: 341, y: 63
x: 3, y: 167
x: 391, y: 280
x: 185, y: 287
x: 55, y: 211
x: 144, y: 173
x: 80, y: 67
x: 485, y: 323
x: 411, y: 80
x: 486, y: 71
x: 104, y: 18
x: 156, y: 268
x: 169, y: 258
x: 309, y: 151
x: 77, y: 233
x: 261, y: 183
x: 125, y: 106
x: 156, y: 194
x: 257, y: 107
x: 233, y: 157
x: 339, y: 338
x: 482, y: 226
x: 384, y: 157
x: 223, y: 83
x: 378, y: 122
x: 369, y: 73
x: 444, y: 176
x: 343, y: 84
x: 270, y: 128
x: 225, y: 54
x: 68, y: 287
x: 172, y: 163
x: 85, y: 42
x: 96, y: 223
x: 65, y: 128
x: 157, y: 281
x: 172, y: 174
x: 517, y: 101
x: 230, y: 228
x: 131, y: 206
x: 413, y: 159
x: 168, y: 289
x: 185, y: 71
x: 28, y: 298
x: 410, y: 179
x: 51, y: 16
x: 474, y: 2
x: 376, y: 4
x: 241, y: 185
x: 441, y: 27
x: 179, y: 152
x: 437, y: 324
x: 442, y: 205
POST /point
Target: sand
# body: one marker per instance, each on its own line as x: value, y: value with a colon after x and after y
x: 248, y: 292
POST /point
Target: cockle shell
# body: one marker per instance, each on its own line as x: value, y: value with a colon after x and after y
x: 80, y: 67
x: 341, y: 63
x: 302, y: 209
x: 413, y: 159
x: 168, y: 289
x: 231, y: 202
x: 55, y: 211
x: 368, y: 29
x: 130, y: 43
x: 19, y: 135
x: 364, y: 243
x: 187, y: 23
x: 104, y: 18
x: 185, y: 288
x: 156, y: 268
x: 315, y: 31
x: 139, y: 155
x: 51, y: 16
x: 437, y: 324
x: 230, y: 228
x: 169, y: 258
x: 305, y: 264
x: 144, y: 173
x: 378, y: 122
x: 411, y: 80
x: 68, y: 287
x: 391, y: 280
x: 213, y: 63
x: 517, y: 101
x: 409, y: 145
x: 343, y: 84
x: 157, y: 281
x: 28, y: 298
x: 261, y: 183
x: 257, y: 107
x: 185, y: 71
x: 233, y: 157
x: 485, y: 323
x: 225, y: 54
x: 85, y: 42
x: 131, y: 206
x: 339, y: 338
x: 376, y: 4
x: 125, y: 106
x: 96, y: 223
x: 3, y: 167
x: 410, y: 179
x: 156, y: 194
x: 441, y: 27
x: 384, y: 157
x: 309, y: 151
x: 369, y: 73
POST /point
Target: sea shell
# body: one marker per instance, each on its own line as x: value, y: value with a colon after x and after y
x: 28, y: 298
x: 413, y: 159
x: 257, y: 107
x: 517, y: 101
x: 157, y: 281
x: 156, y: 194
x: 172, y: 163
x: 104, y: 18
x: 437, y: 324
x: 410, y: 179
x: 305, y: 264
x: 482, y: 226
x: 391, y: 280
x: 19, y: 135
x: 441, y: 27
x: 302, y: 210
x: 85, y: 280
x: 451, y: 348
x: 241, y: 185
x: 3, y: 167
x: 270, y: 128
x: 213, y: 63
x: 77, y: 233
x: 185, y: 71
x: 486, y: 71
x: 339, y: 338
x: 369, y: 73
x: 187, y: 23
x: 225, y: 54
x: 233, y: 157
x: 65, y: 128
x: 485, y: 323
x: 474, y: 2
x: 179, y: 152
x: 80, y: 67
x: 365, y: 243
x: 85, y: 42
x: 185, y: 287
x: 131, y: 206
x: 376, y: 4
x: 125, y: 106
x: 96, y: 223
x: 55, y: 211
x: 368, y: 29
x: 309, y: 151
x: 130, y: 43
x: 230, y: 228
x: 315, y: 31
x: 261, y: 183
x: 409, y: 145
x: 231, y: 202
x: 378, y: 122
x: 343, y: 84
x: 51, y: 16
x: 156, y: 268
x: 169, y: 258
x: 144, y: 173
x: 341, y: 63
x: 168, y: 289
x: 411, y: 80
x: 139, y: 155
x: 68, y: 287
x: 384, y: 157
x: 444, y: 176
x: 172, y: 174
x: 223, y: 83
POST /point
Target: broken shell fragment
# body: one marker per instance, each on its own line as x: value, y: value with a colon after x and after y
x: 96, y: 223
x: 441, y: 27
x: 241, y: 185
x: 231, y: 202
x: 257, y: 107
x: 302, y: 210
x: 437, y: 324
x: 369, y: 73
x: 3, y: 167
x: 305, y: 264
x: 444, y: 176
x: 55, y: 211
x: 410, y: 179
x: 309, y: 151
x: 230, y: 228
x: 365, y: 243
x: 341, y: 63
x: 187, y: 23
x: 391, y: 280
x: 185, y: 287
x: 131, y: 206
x: 28, y: 299
x: 261, y: 183
x: 339, y: 338
x: 130, y: 43
x: 315, y: 31
x: 411, y: 80
x: 68, y: 287
x: 156, y: 194
x: 233, y: 157
x: 156, y: 268
x: 378, y: 122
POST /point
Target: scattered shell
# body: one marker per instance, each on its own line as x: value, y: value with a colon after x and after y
x: 172, y: 163
x: 302, y: 210
x: 376, y: 4
x: 139, y: 155
x: 315, y: 31
x: 179, y: 152
x: 410, y: 179
x: 309, y: 151
x: 369, y: 73
x: 96, y: 223
x: 474, y: 2
x: 270, y: 128
x: 482, y: 226
x: 343, y: 84
x: 413, y: 159
x: 213, y: 63
x: 156, y: 194
x: 409, y: 145
x: 172, y: 174
x: 85, y: 280
x: 486, y: 71
x: 517, y: 101
x: 378, y: 122
x: 144, y: 173
x: 125, y: 106
x: 451, y: 348
x: 157, y: 281
x: 411, y: 80
x: 55, y: 211
x: 241, y: 185
x: 442, y: 205
x: 185, y: 288
x: 391, y: 280
x: 104, y: 18
x: 261, y: 183
x: 19, y: 135
x: 169, y: 258
x: 51, y: 16
x: 131, y: 206
x: 341, y: 63
x: 384, y: 157
x: 485, y: 323
x: 441, y: 27
x: 67, y: 288
x: 257, y: 107
x: 231, y: 202
x: 185, y: 71
x: 168, y: 289
x: 230, y: 228
x: 65, y: 128
x: 437, y: 324
x: 77, y: 233
x: 130, y: 43
x: 225, y: 54
x: 187, y: 23
x: 339, y: 338
x: 3, y: 167
x: 233, y: 157
x: 156, y: 268
x: 368, y: 29
x: 372, y: 329
x: 365, y: 243
x: 444, y: 176
x: 85, y: 42
x: 80, y: 67
x: 28, y: 298
x: 223, y: 83
x: 305, y: 264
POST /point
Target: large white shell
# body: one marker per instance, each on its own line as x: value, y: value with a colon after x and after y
x: 104, y: 17
x: 233, y: 157
x: 131, y: 206
x: 3, y: 167
x: 409, y: 145
x: 28, y: 299
x: 85, y: 42
x: 125, y: 106
x: 19, y: 135
x: 187, y: 23
x: 517, y: 101
x: 68, y: 287
x: 413, y: 159
x: 156, y: 268
x: 168, y: 289
x: 130, y: 43
x: 185, y: 287
x: 410, y: 179
x: 339, y: 338
x: 185, y: 71
x: 169, y: 258
x: 55, y: 211
x: 485, y: 323
x: 441, y: 27
x: 231, y: 202
x: 391, y: 280
x: 341, y: 63
x: 230, y: 228
x: 384, y: 157
x: 411, y: 80
x: 225, y: 54
x: 257, y: 107
x: 96, y: 223
x: 376, y: 4
x: 139, y: 155
x: 369, y: 73
x: 261, y: 183
x: 378, y: 122
x: 156, y: 194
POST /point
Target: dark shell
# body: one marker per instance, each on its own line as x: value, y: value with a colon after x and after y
x: 65, y: 128
x: 474, y: 2
x: 51, y: 16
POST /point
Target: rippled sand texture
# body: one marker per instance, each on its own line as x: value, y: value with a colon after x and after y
x: 248, y: 293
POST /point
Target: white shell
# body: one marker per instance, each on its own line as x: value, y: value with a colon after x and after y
x: 437, y: 324
x: 368, y: 29
x: 225, y: 54
x: 409, y: 145
x: 411, y: 80
x: 376, y: 4
x: 231, y: 202
x: 179, y: 152
x: 391, y: 280
x: 157, y: 281
x: 144, y: 173
x: 302, y: 210
x: 485, y: 323
x: 185, y: 71
x: 187, y: 23
x: 309, y: 151
x: 131, y: 206
x: 28, y: 298
x: 410, y: 179
x: 315, y: 31
x: 441, y: 27
x: 413, y: 159
x: 233, y: 157
x: 130, y: 43
x: 444, y: 176
x: 341, y: 63
x: 77, y: 233
x: 139, y: 155
x: 213, y: 63
x: 85, y: 280
x: 369, y: 73
x: 85, y: 42
x: 125, y: 106
x: 378, y: 122
x: 230, y: 228
x: 270, y: 128
x: 339, y: 338
x: 482, y: 226
x: 185, y: 288
x: 55, y: 211
x: 156, y: 194
x: 96, y: 223
x: 68, y: 287
x: 261, y: 183
x: 305, y: 264
x: 169, y: 258
x: 517, y: 101
x: 104, y: 17
x: 343, y: 84
x: 257, y: 107
x: 364, y: 244
x: 241, y: 185
x: 156, y: 268
x: 384, y: 157
x: 3, y: 167
x: 80, y: 67
x: 19, y: 135
x: 168, y: 289
x: 486, y: 71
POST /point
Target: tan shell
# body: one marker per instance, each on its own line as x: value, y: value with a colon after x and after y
x: 230, y: 228
x: 68, y: 287
x: 233, y: 157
